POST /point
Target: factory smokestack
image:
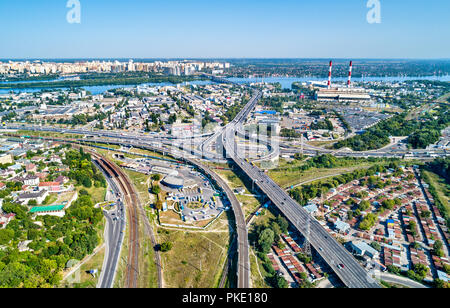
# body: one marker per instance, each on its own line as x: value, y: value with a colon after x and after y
x: 329, y: 75
x: 349, y: 83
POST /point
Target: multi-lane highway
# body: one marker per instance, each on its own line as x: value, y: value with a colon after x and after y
x: 337, y: 257
x: 198, y: 146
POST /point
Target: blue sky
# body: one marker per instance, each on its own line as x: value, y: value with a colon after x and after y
x: 231, y: 28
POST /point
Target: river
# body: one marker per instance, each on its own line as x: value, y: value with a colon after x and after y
x: 286, y: 82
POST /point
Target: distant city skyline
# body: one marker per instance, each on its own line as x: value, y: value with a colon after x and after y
x: 199, y: 29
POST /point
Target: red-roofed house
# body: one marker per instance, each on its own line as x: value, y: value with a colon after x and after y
x: 50, y: 186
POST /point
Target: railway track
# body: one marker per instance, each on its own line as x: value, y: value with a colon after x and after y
x: 138, y: 211
x: 131, y: 197
x: 131, y: 200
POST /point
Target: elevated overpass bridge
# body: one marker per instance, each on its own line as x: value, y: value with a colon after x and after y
x: 347, y: 268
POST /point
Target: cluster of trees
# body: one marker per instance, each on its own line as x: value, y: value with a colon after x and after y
x: 389, y: 204
x: 264, y: 236
x: 418, y: 273
x: 325, y: 124
x: 156, y: 189
x: 166, y: 246
x: 441, y: 166
x: 83, y: 170
x: 10, y: 187
x: 423, y: 138
x: 83, y: 119
x: 289, y: 133
x: 422, y: 132
x: 83, y: 209
x: 207, y: 119
x: 268, y: 234
x: 52, y: 245
x: 368, y: 221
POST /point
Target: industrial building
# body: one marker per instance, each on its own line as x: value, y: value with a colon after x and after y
x: 341, y: 94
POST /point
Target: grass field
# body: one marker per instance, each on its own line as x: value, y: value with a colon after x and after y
x: 442, y: 188
x: 140, y: 182
x: 47, y: 134
x: 148, y: 272
x: 95, y: 262
x: 196, y: 259
x: 285, y: 177
x: 97, y: 193
x: 249, y: 203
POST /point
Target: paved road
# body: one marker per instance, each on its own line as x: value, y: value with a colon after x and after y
x: 200, y: 151
x: 337, y: 257
x: 116, y: 223
x: 243, y: 273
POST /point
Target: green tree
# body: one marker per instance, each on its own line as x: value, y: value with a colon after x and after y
x: 156, y: 177
x: 265, y: 240
x: 166, y: 246
x: 156, y: 189
x: 283, y: 223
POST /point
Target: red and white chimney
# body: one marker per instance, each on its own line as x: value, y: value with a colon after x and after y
x: 349, y: 83
x: 329, y: 75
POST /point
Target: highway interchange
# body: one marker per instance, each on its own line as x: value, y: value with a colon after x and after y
x: 337, y: 257
x: 352, y: 274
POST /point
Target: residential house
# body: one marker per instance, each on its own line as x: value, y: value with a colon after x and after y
x: 39, y: 196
